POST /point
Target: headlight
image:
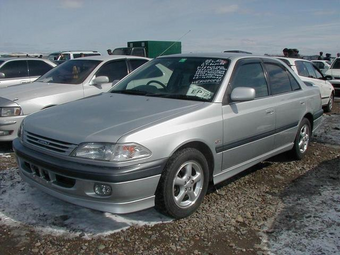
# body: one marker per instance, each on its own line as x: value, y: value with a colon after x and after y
x: 111, y: 152
x: 10, y: 111
x: 21, y: 131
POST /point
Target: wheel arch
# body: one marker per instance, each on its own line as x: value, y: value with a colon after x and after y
x: 310, y: 118
x: 205, y: 150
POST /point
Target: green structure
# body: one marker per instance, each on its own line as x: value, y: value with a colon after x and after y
x: 156, y: 48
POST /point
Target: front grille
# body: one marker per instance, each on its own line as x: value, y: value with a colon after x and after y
x: 42, y: 174
x: 49, y: 144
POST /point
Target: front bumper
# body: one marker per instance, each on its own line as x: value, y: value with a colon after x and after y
x: 133, y: 188
x: 9, y: 127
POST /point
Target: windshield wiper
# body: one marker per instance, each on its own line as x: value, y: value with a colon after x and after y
x: 185, y: 97
x: 130, y: 92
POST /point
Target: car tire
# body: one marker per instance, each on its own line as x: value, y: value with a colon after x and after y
x: 302, y: 139
x: 330, y: 104
x: 183, y: 184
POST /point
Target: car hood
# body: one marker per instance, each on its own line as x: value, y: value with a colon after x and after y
x: 24, y: 92
x: 105, y: 118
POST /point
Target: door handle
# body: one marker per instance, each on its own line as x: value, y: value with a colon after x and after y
x: 269, y: 111
x: 302, y: 102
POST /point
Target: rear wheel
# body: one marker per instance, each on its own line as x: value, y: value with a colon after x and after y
x: 329, y: 106
x: 183, y: 184
x: 302, y: 139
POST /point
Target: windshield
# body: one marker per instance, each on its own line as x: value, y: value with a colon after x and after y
x: 1, y: 61
x: 70, y: 72
x: 181, y: 78
x: 122, y: 51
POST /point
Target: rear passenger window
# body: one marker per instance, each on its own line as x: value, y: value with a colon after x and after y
x: 252, y: 76
x: 301, y: 68
x: 38, y: 68
x: 15, y: 69
x: 135, y: 63
x: 279, y: 79
x: 115, y: 70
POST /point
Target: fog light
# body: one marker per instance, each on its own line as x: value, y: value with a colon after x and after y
x: 4, y: 133
x: 102, y: 189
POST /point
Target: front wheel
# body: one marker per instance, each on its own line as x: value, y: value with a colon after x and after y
x: 302, y: 139
x: 183, y: 184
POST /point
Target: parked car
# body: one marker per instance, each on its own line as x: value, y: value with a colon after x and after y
x: 323, y: 65
x: 75, y: 79
x: 311, y: 74
x: 334, y: 72
x: 156, y: 142
x: 22, y: 70
x: 62, y: 56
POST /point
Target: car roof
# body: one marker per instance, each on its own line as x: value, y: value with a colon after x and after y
x: 23, y: 58
x: 109, y: 57
x: 224, y: 55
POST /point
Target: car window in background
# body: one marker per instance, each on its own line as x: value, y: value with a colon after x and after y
x: 135, y: 63
x: 286, y: 61
x: 15, y: 69
x: 279, y: 79
x: 319, y: 65
x: 310, y: 69
x: 301, y: 68
x: 70, y: 72
x: 293, y: 82
x: 336, y: 64
x: 37, y: 67
x: 318, y: 74
x: 114, y: 70
x: 251, y: 75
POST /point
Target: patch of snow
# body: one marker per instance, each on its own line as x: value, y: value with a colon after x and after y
x: 21, y: 203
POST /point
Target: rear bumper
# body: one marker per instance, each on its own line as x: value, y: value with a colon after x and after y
x: 132, y: 190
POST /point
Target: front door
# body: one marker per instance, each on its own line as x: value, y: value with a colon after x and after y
x: 248, y: 126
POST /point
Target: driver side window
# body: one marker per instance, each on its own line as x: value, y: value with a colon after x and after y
x: 114, y: 70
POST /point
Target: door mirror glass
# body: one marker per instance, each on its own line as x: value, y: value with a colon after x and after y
x: 241, y: 94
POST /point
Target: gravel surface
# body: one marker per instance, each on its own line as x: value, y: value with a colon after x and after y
x: 274, y: 207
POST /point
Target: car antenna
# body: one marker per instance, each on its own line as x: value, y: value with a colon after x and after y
x: 174, y: 43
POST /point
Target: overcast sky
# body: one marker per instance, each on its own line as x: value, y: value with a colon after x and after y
x: 259, y: 26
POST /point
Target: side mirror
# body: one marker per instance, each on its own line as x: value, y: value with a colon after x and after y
x: 100, y: 80
x: 241, y: 94
x: 328, y: 77
x: 2, y: 75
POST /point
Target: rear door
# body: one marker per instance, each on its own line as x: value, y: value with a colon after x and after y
x: 114, y: 70
x: 290, y: 103
x: 248, y: 126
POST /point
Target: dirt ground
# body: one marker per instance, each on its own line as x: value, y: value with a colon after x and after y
x: 267, y: 209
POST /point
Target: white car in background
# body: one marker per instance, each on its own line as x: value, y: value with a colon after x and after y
x: 15, y: 71
x: 309, y: 73
x: 72, y: 80
x: 323, y: 65
x: 334, y: 71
